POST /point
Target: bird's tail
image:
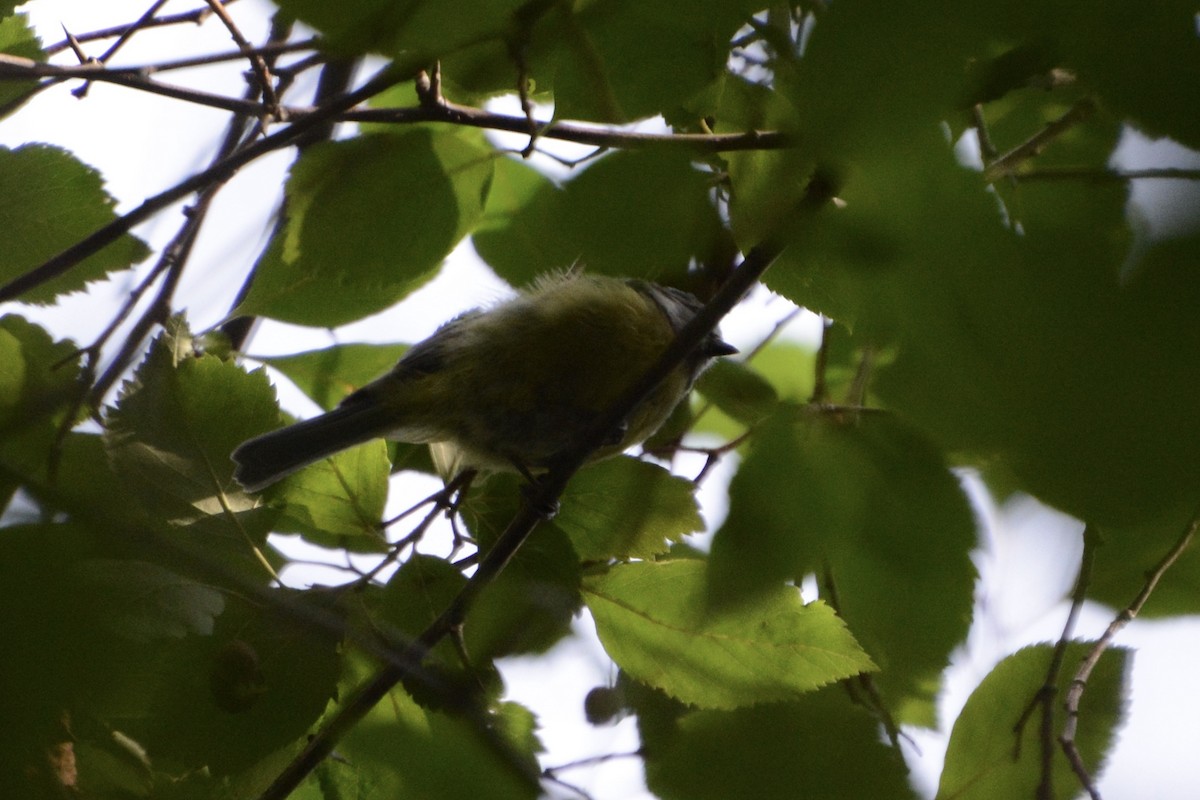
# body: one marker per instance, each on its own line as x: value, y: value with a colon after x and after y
x: 265, y: 459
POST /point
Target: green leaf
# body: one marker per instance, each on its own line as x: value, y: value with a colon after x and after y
x: 654, y: 622
x: 38, y: 382
x: 420, y: 26
x: 368, y: 221
x: 789, y: 368
x: 626, y: 508
x: 175, y: 424
x: 904, y: 62
x: 419, y: 591
x: 144, y: 601
x: 227, y: 700
x: 329, y: 374
x: 17, y: 38
x: 1127, y: 555
x: 453, y: 675
x: 664, y: 218
x: 339, y: 501
x: 765, y: 186
x: 523, y: 207
x: 793, y: 749
x: 403, y: 750
x: 529, y: 606
x: 867, y: 503
x: 986, y: 759
x: 619, y: 61
x: 49, y: 200
x: 1045, y: 383
x: 664, y: 221
x: 739, y: 390
x: 1124, y: 52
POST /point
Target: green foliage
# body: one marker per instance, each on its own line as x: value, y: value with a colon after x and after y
x: 664, y: 219
x: 17, y: 39
x: 995, y: 750
x: 170, y: 433
x: 48, y: 201
x: 654, y: 622
x: 1010, y: 320
x: 869, y: 507
x: 329, y: 374
x: 357, y: 232
x: 793, y: 749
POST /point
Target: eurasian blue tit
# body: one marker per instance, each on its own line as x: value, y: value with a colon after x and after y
x: 510, y: 387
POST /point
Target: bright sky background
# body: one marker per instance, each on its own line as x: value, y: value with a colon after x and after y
x: 143, y: 143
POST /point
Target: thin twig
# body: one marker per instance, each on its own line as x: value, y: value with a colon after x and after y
x: 196, y: 16
x: 873, y: 701
x: 266, y: 84
x: 335, y: 78
x: 1105, y: 175
x: 987, y: 149
x: 1084, y: 672
x: 81, y: 91
x: 1044, y: 698
x: 272, y: 48
x: 581, y: 134
x: 856, y: 393
x: 143, y: 22
x: 17, y: 68
x: 820, y: 393
x: 174, y: 259
x: 1008, y: 163
x: 551, y: 773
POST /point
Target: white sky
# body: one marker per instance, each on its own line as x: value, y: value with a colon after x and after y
x: 143, y: 144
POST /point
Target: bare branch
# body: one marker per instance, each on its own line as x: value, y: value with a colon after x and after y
x: 195, y: 16
x: 1105, y: 175
x: 266, y: 85
x: 565, y: 131
x: 274, y: 48
x: 17, y: 68
x: 142, y: 23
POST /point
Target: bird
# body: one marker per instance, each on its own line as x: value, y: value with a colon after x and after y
x: 510, y: 387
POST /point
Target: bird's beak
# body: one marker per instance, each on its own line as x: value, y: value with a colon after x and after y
x: 717, y: 347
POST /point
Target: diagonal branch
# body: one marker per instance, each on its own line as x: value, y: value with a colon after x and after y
x: 1079, y: 683
x: 1010, y: 162
x: 257, y: 63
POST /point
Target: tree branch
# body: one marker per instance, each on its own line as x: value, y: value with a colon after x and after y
x: 1079, y: 682
x: 565, y: 131
x: 257, y: 64
x: 17, y: 68
x: 196, y: 16
x: 1008, y: 163
x: 1044, y: 699
x: 1105, y: 175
